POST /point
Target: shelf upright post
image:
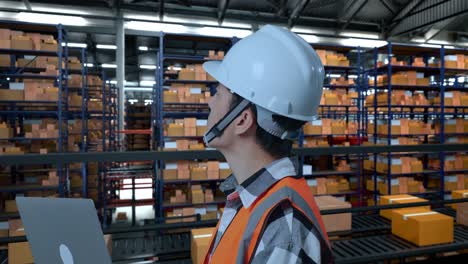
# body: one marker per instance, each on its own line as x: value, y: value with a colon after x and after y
x: 442, y: 121
x: 359, y: 122
x: 59, y: 106
x: 102, y: 170
x: 390, y: 117
x: 375, y: 112
x: 84, y: 119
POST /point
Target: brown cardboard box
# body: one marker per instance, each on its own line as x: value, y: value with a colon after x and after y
x: 332, y: 187
x: 201, y: 130
x: 175, y: 130
x: 183, y: 174
x: 200, y: 242
x: 16, y: 228
x: 334, y: 222
x: 462, y: 214
x: 170, y: 174
x: 10, y: 206
x: 11, y: 95
x: 399, y: 199
x: 224, y: 173
x: 22, y: 44
x: 49, y: 47
x: 186, y: 74
x: 20, y: 253
x: 198, y: 197
x: 198, y: 174
x: 458, y: 194
x: 422, y: 227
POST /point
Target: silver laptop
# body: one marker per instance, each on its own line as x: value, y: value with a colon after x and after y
x: 64, y: 231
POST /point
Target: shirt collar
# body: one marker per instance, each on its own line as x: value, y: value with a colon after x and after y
x: 261, y: 181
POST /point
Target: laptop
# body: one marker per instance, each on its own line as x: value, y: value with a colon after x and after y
x: 64, y: 231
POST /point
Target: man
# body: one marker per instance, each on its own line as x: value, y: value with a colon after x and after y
x: 270, y: 85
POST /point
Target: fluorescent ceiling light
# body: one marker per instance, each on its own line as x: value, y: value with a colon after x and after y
x: 303, y: 30
x: 51, y: 19
x: 147, y: 67
x: 139, y: 89
x: 334, y: 75
x: 74, y: 45
x: 365, y: 43
x: 108, y: 65
x: 430, y: 46
x: 180, y: 29
x: 175, y: 68
x: 127, y: 83
x: 440, y: 42
x: 147, y: 83
x: 143, y: 48
x: 310, y: 38
x: 102, y: 46
x: 227, y: 23
x: 360, y: 35
x: 351, y: 76
x: 89, y: 65
x: 133, y: 101
x: 449, y: 47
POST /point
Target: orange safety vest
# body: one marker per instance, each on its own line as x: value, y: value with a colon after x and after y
x: 240, y: 240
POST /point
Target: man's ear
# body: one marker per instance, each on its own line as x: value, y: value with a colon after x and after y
x: 245, y: 122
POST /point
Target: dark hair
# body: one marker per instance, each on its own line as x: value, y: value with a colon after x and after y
x: 273, y: 145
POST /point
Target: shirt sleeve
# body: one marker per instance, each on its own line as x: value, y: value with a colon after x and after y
x: 287, y: 239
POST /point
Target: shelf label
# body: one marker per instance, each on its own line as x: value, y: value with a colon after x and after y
x: 307, y: 169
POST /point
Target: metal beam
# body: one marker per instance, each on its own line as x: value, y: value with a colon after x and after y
x: 27, y: 4
x: 161, y: 9
x: 352, y: 12
x: 389, y: 6
x: 296, y: 13
x: 428, y: 16
x: 222, y: 7
x: 120, y: 71
x: 438, y: 27
x: 63, y: 158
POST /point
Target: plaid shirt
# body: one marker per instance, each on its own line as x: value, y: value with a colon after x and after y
x: 299, y: 243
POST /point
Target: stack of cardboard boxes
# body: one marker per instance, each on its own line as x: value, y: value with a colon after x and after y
x: 330, y: 127
x: 329, y: 185
x: 406, y: 127
x: 46, y: 128
x: 5, y: 131
x: 194, y: 72
x: 186, y: 93
x: 398, y: 98
x: 215, y: 55
x: 457, y: 61
x: 332, y: 58
x: 453, y: 126
x: 200, y: 196
x: 18, y: 252
x: 452, y: 99
x: 186, y: 170
x: 398, y: 185
x: 200, y: 243
x: 18, y: 40
x: 188, y: 127
x: 53, y: 179
x: 40, y: 90
x: 178, y: 197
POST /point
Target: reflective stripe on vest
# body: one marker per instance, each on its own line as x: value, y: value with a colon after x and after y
x: 245, y: 229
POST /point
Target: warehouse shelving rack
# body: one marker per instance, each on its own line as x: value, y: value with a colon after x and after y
x: 17, y: 110
x: 162, y: 110
x: 389, y: 111
x: 354, y: 112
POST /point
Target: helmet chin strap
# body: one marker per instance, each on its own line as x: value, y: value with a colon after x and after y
x: 218, y: 129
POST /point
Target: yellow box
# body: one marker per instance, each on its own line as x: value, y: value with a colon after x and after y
x: 422, y: 227
x: 201, y: 130
x: 458, y: 194
x: 198, y: 174
x: 170, y: 174
x: 224, y: 173
x: 20, y: 253
x: 10, y: 206
x: 400, y: 199
x: 175, y: 130
x: 200, y: 242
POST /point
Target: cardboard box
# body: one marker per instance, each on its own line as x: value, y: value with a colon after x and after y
x: 170, y: 174
x: 201, y: 130
x: 399, y: 199
x: 22, y: 44
x: 10, y: 206
x: 334, y: 222
x: 186, y: 74
x: 458, y: 194
x: 183, y: 174
x: 422, y: 227
x: 11, y: 95
x: 224, y: 173
x: 200, y: 242
x: 49, y: 47
x: 462, y: 214
x: 175, y: 130
x: 198, y: 197
x: 16, y: 228
x: 20, y: 253
x: 198, y: 174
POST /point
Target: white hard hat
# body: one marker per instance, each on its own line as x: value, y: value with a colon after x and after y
x: 275, y: 69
